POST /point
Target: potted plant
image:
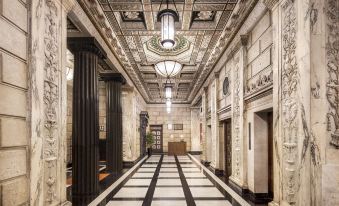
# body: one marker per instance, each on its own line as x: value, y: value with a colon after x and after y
x: 149, y: 142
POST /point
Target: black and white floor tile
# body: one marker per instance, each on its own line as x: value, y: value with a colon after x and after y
x: 170, y: 181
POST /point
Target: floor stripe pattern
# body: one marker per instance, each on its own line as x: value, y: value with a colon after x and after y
x: 168, y: 181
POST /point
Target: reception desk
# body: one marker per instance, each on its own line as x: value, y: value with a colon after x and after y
x: 176, y: 148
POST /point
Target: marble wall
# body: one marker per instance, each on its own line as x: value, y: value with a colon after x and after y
x: 132, y: 105
x: 195, y: 129
x: 283, y: 59
x: 180, y: 114
x: 14, y: 83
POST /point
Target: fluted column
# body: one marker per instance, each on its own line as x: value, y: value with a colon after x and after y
x: 113, y: 121
x: 85, y: 127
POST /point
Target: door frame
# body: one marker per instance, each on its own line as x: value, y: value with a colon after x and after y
x: 226, y: 140
x: 161, y: 150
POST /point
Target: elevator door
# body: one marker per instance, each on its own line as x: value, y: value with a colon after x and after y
x: 228, y: 148
x: 157, y: 133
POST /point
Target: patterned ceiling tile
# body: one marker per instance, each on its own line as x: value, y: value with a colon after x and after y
x: 201, y: 23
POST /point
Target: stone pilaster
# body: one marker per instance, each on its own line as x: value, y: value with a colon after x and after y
x: 195, y: 129
x: 204, y: 123
x: 215, y: 121
x: 114, y: 150
x: 238, y: 143
x: 85, y: 127
x: 47, y: 101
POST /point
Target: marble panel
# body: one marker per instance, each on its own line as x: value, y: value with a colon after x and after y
x: 13, y: 101
x: 13, y: 71
x: 16, y: 12
x: 12, y: 39
x: 12, y: 163
x: 13, y: 132
x: 14, y: 192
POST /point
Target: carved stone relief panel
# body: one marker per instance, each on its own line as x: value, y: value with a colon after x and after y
x: 289, y: 102
x: 332, y: 56
x: 51, y: 100
x: 236, y: 115
x: 260, y: 81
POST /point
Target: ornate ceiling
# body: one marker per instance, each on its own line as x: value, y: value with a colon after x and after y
x: 202, y: 33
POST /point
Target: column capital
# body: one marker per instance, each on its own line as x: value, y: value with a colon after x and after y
x: 244, y: 39
x: 270, y: 3
x: 116, y: 77
x: 216, y: 74
x: 144, y: 113
x: 90, y: 44
x: 206, y: 89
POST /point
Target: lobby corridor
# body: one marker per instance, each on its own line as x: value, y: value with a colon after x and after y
x: 173, y: 181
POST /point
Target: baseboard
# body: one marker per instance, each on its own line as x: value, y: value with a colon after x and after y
x: 129, y: 164
x: 195, y: 152
x: 217, y: 172
x: 238, y: 189
x: 259, y: 197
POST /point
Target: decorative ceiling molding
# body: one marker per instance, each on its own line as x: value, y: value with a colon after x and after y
x: 96, y: 14
x: 204, y: 30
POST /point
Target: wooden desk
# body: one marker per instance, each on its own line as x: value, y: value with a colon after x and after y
x: 176, y: 148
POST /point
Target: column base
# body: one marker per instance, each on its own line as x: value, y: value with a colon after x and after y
x: 216, y: 171
x: 66, y: 203
x: 83, y: 199
x: 131, y: 163
x: 273, y: 204
x: 235, y: 185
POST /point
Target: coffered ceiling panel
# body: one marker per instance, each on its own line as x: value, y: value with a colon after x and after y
x: 202, y: 32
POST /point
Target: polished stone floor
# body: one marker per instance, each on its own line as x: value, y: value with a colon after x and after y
x: 171, y: 181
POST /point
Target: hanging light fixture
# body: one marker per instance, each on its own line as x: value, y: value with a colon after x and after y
x: 168, y: 89
x: 168, y: 68
x: 168, y: 92
x: 167, y: 18
x: 168, y: 103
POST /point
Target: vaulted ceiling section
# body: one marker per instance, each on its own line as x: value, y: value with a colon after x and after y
x: 204, y: 30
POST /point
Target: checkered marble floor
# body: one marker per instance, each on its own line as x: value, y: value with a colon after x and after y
x: 168, y: 181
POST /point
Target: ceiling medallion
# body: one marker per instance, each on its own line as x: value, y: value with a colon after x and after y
x: 181, y: 45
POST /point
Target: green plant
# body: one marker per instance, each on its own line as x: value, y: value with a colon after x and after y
x: 149, y: 139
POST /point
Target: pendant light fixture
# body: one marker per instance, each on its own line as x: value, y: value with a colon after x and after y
x: 168, y: 103
x: 168, y: 91
x: 167, y: 17
x: 168, y: 68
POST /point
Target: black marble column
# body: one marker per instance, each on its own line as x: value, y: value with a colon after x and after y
x: 114, y: 156
x: 85, y: 127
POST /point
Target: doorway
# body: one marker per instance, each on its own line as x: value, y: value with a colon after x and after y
x: 270, y: 153
x: 156, y: 130
x: 228, y: 148
x: 262, y: 150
